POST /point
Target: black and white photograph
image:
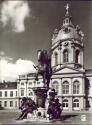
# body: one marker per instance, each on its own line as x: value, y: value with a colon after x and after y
x: 45, y: 62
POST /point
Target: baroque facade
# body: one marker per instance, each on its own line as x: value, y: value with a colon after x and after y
x: 67, y: 64
x: 70, y: 78
x: 72, y: 82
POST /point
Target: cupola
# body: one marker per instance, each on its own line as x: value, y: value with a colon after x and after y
x: 68, y: 31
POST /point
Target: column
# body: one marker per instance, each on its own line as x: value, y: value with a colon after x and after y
x: 71, y: 88
x: 83, y: 85
x: 70, y: 104
x: 26, y: 87
x: 18, y: 92
x: 60, y: 91
x: 81, y: 103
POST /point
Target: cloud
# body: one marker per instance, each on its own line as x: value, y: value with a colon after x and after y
x: 2, y: 53
x: 2, y: 56
x: 9, y: 71
x: 14, y: 13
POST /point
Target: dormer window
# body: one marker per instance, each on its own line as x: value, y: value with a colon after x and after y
x: 6, y: 86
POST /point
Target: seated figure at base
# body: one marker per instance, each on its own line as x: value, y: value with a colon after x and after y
x: 58, y: 109
x: 27, y: 106
x: 55, y: 107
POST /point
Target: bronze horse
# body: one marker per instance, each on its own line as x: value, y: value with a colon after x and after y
x: 44, y: 67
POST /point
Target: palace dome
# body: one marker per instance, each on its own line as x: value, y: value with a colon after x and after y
x: 68, y: 31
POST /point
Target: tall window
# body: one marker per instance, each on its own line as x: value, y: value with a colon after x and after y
x: 16, y: 93
x: 55, y: 86
x: 38, y: 82
x: 30, y: 93
x: 65, y: 87
x: 11, y: 93
x: 76, y: 87
x: 65, y: 55
x: 0, y: 93
x: 22, y: 92
x: 56, y: 58
x: 5, y: 103
x: 76, y: 103
x: 11, y: 103
x: 15, y: 103
x: 65, y: 103
x: 77, y: 56
x: 22, y: 83
x: 30, y: 83
x: 5, y: 93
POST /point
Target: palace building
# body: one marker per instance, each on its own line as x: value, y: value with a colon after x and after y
x: 70, y: 79
x: 72, y: 82
x: 8, y: 95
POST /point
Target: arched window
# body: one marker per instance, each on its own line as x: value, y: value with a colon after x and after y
x: 65, y: 55
x: 76, y: 87
x: 77, y: 56
x: 65, y: 87
x: 55, y: 86
x: 56, y: 58
x: 76, y: 103
x: 65, y: 103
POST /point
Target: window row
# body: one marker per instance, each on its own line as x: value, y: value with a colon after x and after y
x: 30, y: 93
x: 75, y: 103
x: 8, y: 93
x: 66, y: 56
x: 65, y: 87
x: 9, y: 104
x: 30, y: 83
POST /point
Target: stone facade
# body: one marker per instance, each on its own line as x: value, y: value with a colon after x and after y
x: 9, y: 95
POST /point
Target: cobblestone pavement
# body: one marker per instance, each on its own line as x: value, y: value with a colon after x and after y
x: 10, y: 116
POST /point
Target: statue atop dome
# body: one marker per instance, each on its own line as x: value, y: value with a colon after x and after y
x: 55, y: 33
x: 67, y: 8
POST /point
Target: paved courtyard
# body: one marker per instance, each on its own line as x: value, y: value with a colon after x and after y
x: 9, y: 117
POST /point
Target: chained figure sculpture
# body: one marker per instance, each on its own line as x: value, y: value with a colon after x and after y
x: 27, y: 106
x: 55, y: 107
x: 44, y: 67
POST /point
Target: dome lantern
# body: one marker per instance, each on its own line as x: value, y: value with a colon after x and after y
x: 67, y: 19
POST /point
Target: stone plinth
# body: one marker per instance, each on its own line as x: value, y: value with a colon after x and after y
x: 39, y: 115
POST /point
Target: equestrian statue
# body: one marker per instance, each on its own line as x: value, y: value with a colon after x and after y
x: 44, y: 67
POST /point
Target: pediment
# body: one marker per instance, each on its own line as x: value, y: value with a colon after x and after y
x: 67, y: 70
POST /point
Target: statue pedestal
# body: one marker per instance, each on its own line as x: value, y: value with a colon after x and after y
x: 39, y: 115
x: 47, y: 109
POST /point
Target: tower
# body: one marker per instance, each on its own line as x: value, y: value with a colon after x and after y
x: 68, y: 77
x: 67, y: 45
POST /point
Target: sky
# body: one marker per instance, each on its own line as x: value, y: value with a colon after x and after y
x: 27, y: 26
